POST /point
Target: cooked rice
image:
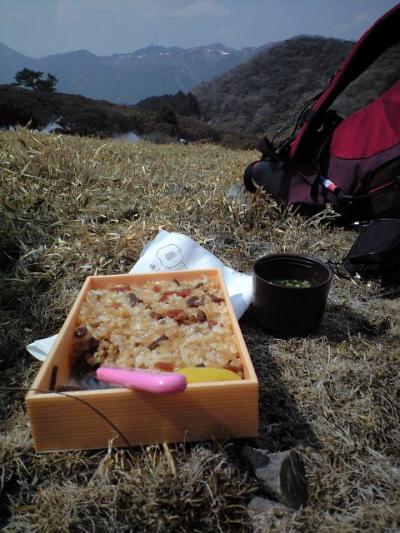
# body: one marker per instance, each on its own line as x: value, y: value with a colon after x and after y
x: 163, y: 324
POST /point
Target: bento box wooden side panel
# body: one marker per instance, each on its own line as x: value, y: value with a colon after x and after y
x: 208, y: 410
x: 59, y: 357
x: 201, y: 412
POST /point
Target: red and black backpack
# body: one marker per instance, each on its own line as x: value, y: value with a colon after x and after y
x: 352, y: 164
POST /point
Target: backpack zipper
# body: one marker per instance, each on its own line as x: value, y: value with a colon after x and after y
x: 380, y: 187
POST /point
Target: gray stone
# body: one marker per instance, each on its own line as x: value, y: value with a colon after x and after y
x: 282, y: 474
x: 267, y: 515
x: 264, y: 505
x: 237, y: 190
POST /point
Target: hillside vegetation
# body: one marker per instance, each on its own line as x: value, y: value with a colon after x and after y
x: 168, y: 121
x: 74, y: 206
x: 268, y: 90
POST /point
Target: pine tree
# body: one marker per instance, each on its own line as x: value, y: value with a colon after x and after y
x: 32, y: 79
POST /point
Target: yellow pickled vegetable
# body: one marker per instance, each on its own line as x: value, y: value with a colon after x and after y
x: 197, y: 374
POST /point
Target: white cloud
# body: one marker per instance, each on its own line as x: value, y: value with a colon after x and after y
x: 201, y: 8
x: 358, y: 22
x: 68, y: 10
x: 226, y: 31
x: 360, y: 18
x: 10, y: 11
x: 183, y: 8
x: 72, y: 10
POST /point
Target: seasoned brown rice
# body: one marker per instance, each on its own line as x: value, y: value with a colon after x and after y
x: 163, y: 324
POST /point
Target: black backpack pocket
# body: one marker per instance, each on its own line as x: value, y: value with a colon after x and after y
x: 376, y: 252
x: 269, y: 174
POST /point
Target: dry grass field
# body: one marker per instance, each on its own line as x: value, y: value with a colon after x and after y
x: 71, y: 207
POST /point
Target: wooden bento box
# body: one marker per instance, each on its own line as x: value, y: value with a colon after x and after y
x: 213, y: 410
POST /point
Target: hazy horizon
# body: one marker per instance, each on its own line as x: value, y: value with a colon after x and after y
x: 105, y: 27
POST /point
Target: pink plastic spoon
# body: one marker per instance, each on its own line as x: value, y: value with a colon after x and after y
x: 145, y: 380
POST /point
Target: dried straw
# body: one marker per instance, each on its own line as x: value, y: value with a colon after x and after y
x: 72, y: 207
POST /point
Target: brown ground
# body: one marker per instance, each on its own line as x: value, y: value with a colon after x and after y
x: 72, y: 207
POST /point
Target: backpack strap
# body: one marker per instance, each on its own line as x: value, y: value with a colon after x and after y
x: 382, y: 35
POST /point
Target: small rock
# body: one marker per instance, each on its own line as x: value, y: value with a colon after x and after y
x: 267, y: 515
x: 236, y: 191
x: 282, y: 474
x: 263, y: 505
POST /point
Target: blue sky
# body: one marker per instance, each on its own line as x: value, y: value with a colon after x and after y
x: 42, y: 27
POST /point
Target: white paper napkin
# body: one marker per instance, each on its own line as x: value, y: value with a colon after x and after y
x: 174, y: 251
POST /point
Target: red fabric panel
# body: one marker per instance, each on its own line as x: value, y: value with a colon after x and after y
x: 371, y: 130
x: 379, y: 37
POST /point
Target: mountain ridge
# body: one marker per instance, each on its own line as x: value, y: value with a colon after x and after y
x: 262, y: 94
x: 127, y: 78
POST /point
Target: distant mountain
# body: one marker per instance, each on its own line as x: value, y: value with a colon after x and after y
x: 131, y: 77
x: 267, y: 91
x: 12, y: 61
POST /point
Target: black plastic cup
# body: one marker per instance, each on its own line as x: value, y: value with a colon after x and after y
x: 284, y: 311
